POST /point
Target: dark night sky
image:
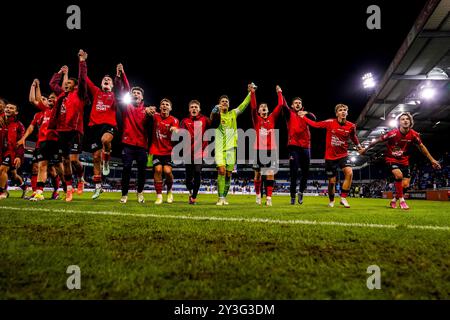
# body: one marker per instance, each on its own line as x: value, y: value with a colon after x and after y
x: 199, y: 51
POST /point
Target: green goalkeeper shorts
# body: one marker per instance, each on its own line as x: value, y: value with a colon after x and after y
x: 226, y: 158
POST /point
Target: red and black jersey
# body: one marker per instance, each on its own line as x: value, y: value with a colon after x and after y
x: 298, y: 130
x: 337, y: 137
x: 398, y: 144
x: 68, y: 111
x: 161, y: 138
x: 44, y: 133
x: 196, y: 126
x: 37, y: 122
x: 13, y: 133
x: 135, y: 122
x: 265, y: 135
x: 2, y: 132
x: 104, y: 106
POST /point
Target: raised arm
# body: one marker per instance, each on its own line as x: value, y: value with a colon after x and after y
x: 91, y: 87
x: 56, y: 79
x: 121, y: 81
x: 241, y: 108
x: 281, y: 102
x: 254, y: 107
x: 32, y: 96
x: 82, y: 75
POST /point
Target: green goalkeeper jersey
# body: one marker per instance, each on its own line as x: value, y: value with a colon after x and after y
x: 226, y: 132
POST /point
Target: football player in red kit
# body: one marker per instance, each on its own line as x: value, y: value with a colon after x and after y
x: 196, y: 124
x: 161, y: 149
x: 299, y: 145
x: 265, y: 144
x: 339, y: 131
x: 134, y: 135
x: 67, y: 120
x: 102, y: 126
x: 12, y: 156
x: 397, y: 159
x: 44, y: 105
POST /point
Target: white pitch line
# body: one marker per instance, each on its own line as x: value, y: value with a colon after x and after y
x: 225, y: 219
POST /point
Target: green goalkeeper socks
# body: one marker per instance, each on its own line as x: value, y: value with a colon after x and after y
x: 221, y: 185
x: 227, y: 185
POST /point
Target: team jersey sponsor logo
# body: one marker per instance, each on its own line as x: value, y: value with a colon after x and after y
x: 336, y: 142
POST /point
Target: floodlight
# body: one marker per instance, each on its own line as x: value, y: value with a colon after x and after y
x: 368, y: 81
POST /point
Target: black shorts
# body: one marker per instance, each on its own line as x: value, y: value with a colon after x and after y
x: 162, y: 161
x: 265, y: 159
x: 406, y: 172
x: 49, y: 151
x: 331, y: 166
x: 7, y: 161
x: 34, y: 159
x: 70, y: 142
x: 96, y: 133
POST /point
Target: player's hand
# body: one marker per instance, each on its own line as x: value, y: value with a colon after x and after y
x: 436, y: 165
x: 119, y: 69
x: 83, y: 55
x: 251, y: 87
x: 302, y: 113
x: 216, y: 109
x: 64, y: 70
x: 362, y: 151
x: 17, y: 163
x: 35, y: 83
x: 150, y: 110
x: 278, y: 89
x: 174, y: 129
x: 20, y: 142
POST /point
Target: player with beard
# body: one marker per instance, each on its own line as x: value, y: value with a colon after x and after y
x: 134, y: 136
x: 67, y: 120
x: 102, y: 126
x: 13, y: 155
x: 264, y: 124
x: 339, y: 131
x: 161, y: 149
x: 299, y: 145
x: 397, y: 159
x: 196, y: 124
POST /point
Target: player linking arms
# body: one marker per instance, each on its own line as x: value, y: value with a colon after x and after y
x: 397, y: 160
x: 196, y: 124
x: 161, y: 149
x: 339, y: 131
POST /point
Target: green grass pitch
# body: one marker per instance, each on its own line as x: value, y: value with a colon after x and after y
x: 241, y: 251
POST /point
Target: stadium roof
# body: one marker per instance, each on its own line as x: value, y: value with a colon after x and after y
x: 423, y: 60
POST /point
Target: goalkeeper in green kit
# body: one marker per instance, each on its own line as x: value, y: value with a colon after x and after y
x: 226, y: 141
